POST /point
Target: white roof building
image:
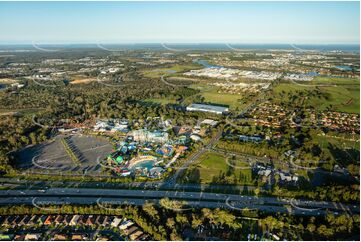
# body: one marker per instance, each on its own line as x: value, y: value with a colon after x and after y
x: 207, y: 108
x: 209, y: 122
x: 116, y: 222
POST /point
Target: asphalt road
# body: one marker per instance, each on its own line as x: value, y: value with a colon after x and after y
x: 58, y: 196
x: 45, y: 202
x: 173, y: 179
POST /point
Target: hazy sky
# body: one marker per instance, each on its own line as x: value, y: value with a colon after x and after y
x: 232, y: 22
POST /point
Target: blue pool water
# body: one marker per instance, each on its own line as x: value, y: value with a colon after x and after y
x: 144, y: 164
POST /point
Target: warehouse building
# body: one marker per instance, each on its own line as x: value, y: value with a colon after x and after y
x: 207, y: 108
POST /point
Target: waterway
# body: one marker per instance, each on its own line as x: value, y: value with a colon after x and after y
x: 206, y: 64
x: 344, y: 68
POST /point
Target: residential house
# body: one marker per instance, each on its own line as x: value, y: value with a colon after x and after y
x: 32, y: 237
x: 74, y: 220
x: 19, y: 237
x: 116, y: 221
x: 125, y: 224
x: 67, y: 219
x: 59, y: 219
x: 60, y: 237
x: 135, y: 235
x: 49, y: 220
x: 99, y: 220
x: 41, y: 219
x: 90, y: 221
x: 130, y: 230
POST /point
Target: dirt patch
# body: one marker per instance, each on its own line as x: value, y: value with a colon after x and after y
x: 348, y: 101
x: 83, y: 81
x: 7, y: 81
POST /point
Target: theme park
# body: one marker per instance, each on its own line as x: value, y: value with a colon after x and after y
x: 145, y: 153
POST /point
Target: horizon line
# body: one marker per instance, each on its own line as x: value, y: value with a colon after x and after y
x: 184, y: 43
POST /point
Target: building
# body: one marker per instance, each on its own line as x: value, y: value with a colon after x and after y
x: 90, y: 221
x: 67, y: 219
x: 130, y: 230
x: 60, y: 237
x: 246, y: 138
x: 116, y: 222
x: 42, y: 219
x: 150, y: 136
x: 74, y: 220
x: 207, y: 108
x: 59, y: 219
x: 106, y: 221
x: 125, y: 224
x: 156, y: 172
x: 49, y: 220
x: 195, y: 137
x: 209, y: 122
x: 34, y: 237
x: 79, y: 237
x: 135, y: 235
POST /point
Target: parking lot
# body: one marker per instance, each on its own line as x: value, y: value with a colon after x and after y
x: 54, y: 157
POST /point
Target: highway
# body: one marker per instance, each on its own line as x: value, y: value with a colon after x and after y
x: 81, y: 193
x: 173, y: 179
x: 58, y: 196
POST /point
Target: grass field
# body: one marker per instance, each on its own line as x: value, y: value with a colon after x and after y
x: 26, y: 111
x: 212, y: 168
x: 211, y: 95
x: 7, y: 81
x: 162, y: 101
x: 170, y: 71
x: 335, y: 80
x: 344, y: 97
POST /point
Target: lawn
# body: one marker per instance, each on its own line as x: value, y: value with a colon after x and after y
x: 212, y: 168
x: 211, y: 95
x: 335, y: 80
x: 162, y: 101
x: 345, y: 97
x: 170, y: 71
x: 340, y: 149
x: 24, y: 111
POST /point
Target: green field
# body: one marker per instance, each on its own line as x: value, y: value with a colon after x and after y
x: 343, y: 97
x: 25, y: 111
x: 210, y: 94
x: 212, y: 168
x: 336, y: 148
x: 162, y: 101
x: 335, y: 80
x: 170, y: 71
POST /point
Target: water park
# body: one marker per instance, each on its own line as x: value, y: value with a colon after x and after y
x: 146, y: 159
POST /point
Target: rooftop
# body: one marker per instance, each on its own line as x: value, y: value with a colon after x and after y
x: 207, y: 107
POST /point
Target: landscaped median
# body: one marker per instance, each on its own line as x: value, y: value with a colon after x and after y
x: 69, y: 151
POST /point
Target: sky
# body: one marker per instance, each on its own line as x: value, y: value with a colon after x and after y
x: 180, y: 22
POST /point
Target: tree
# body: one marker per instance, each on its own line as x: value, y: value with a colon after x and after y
x: 170, y: 223
x: 324, y: 231
x: 257, y: 191
x: 181, y: 219
x: 150, y: 210
x: 311, y: 228
x: 196, y: 221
